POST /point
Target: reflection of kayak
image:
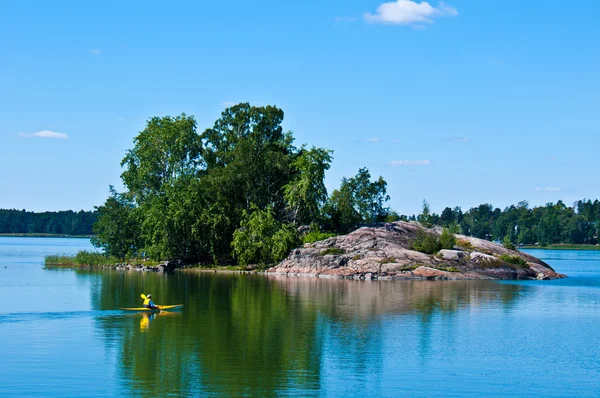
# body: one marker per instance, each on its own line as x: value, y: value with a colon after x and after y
x: 160, y: 308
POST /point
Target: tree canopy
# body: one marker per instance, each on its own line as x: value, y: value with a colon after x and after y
x: 235, y: 192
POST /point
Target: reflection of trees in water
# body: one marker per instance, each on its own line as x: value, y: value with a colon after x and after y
x: 240, y: 334
x: 236, y: 335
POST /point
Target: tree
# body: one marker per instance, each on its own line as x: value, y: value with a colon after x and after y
x: 165, y: 150
x: 190, y: 193
x: 117, y: 228
x: 425, y: 218
x: 339, y: 211
x: 369, y: 196
x: 358, y: 200
x: 262, y: 239
x: 305, y: 194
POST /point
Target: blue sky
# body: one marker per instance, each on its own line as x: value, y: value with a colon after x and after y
x: 459, y: 103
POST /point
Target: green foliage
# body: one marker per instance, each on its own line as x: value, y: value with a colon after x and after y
x: 508, y: 244
x: 117, y: 229
x: 515, y: 260
x: 392, y: 216
x: 388, y: 260
x: 447, y: 269
x: 316, y: 236
x: 331, y: 250
x: 358, y: 200
x: 187, y: 193
x: 356, y: 257
x: 426, y: 242
x: 425, y: 218
x: 554, y: 223
x: 447, y: 239
x: 20, y: 222
x: 454, y: 228
x: 305, y: 194
x: 82, y: 258
x: 168, y: 148
x: 262, y: 239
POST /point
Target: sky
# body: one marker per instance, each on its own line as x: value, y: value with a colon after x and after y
x: 460, y: 102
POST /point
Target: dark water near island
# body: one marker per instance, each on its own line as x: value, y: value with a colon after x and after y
x: 239, y: 335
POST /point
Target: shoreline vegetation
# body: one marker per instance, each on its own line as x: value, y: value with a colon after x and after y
x: 37, y: 235
x: 87, y: 259
x: 563, y: 247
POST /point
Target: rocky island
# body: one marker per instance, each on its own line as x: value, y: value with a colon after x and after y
x: 386, y: 252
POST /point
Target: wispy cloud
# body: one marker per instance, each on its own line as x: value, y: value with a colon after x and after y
x: 408, y: 12
x: 45, y: 134
x: 549, y: 189
x: 398, y: 163
x: 94, y: 51
x: 456, y: 139
x: 374, y: 139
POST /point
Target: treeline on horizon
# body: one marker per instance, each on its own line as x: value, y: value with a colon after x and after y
x: 554, y: 223
x: 66, y: 222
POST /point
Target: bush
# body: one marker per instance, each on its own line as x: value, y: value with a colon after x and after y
x: 316, y: 236
x: 427, y: 243
x: 514, y: 260
x: 331, y: 250
x: 447, y: 239
x: 448, y: 269
x: 465, y: 244
x: 508, y: 244
x: 81, y: 259
x: 454, y: 227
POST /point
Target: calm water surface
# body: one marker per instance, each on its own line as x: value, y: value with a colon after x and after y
x: 63, y: 333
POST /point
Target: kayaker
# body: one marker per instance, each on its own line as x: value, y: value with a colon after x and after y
x: 148, y: 302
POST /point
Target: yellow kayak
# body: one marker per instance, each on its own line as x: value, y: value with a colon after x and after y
x: 160, y: 308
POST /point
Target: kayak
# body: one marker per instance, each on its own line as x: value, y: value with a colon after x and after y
x: 160, y: 308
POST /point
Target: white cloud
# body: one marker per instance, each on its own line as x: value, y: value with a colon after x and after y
x: 46, y: 134
x: 95, y: 51
x: 549, y: 189
x: 408, y: 12
x: 374, y: 139
x: 397, y: 163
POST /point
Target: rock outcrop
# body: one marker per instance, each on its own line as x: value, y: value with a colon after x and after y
x: 384, y: 252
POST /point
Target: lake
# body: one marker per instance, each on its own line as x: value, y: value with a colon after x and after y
x: 250, y: 335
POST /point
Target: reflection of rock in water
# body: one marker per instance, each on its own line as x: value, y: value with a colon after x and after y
x: 347, y: 298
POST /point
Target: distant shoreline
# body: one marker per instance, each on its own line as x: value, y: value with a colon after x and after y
x: 563, y: 247
x: 34, y: 235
